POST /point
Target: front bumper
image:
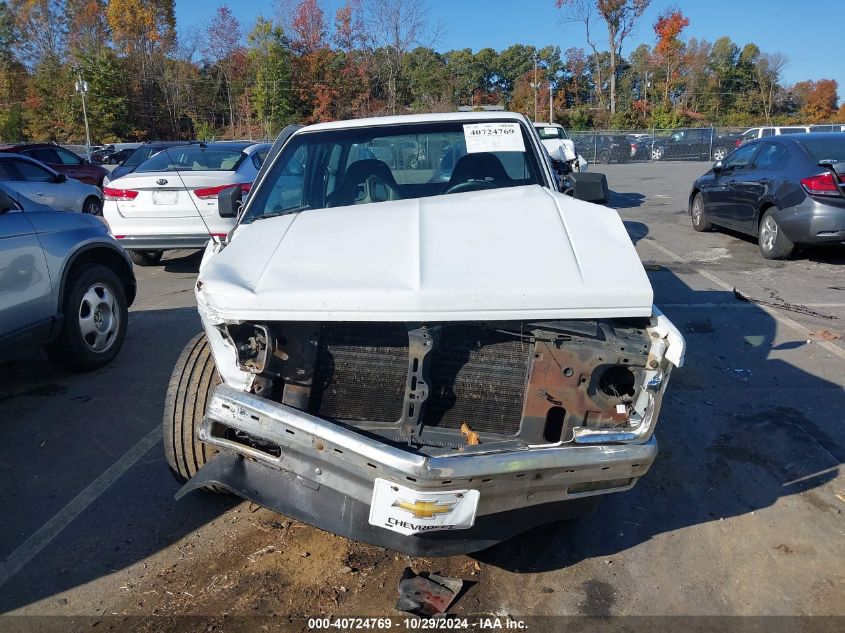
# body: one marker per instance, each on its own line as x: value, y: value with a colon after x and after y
x: 325, y: 472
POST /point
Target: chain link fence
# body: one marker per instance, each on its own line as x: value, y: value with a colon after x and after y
x: 688, y: 144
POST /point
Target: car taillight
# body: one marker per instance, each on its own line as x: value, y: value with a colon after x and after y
x: 207, y: 193
x: 821, y: 185
x: 119, y: 195
x: 738, y: 142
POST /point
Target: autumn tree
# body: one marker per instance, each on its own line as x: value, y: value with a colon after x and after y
x: 222, y: 49
x: 619, y: 17
x: 669, y: 48
x: 817, y: 99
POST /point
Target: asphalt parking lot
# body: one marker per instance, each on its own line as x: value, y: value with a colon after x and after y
x: 742, y: 514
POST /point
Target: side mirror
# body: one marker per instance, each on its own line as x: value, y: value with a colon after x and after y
x: 717, y: 167
x: 7, y: 203
x: 230, y: 202
x: 60, y: 178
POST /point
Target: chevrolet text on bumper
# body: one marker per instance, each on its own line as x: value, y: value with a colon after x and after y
x: 430, y: 373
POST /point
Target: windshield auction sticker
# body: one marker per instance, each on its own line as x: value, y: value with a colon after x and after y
x: 493, y: 137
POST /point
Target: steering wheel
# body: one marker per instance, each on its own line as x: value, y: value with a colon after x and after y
x: 470, y: 185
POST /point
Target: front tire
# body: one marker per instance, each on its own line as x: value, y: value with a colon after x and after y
x: 191, y: 384
x: 773, y: 243
x: 698, y: 214
x: 146, y: 258
x: 95, y: 314
x: 657, y: 153
x: 719, y: 153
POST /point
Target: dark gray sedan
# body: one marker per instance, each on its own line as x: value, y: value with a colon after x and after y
x: 785, y: 190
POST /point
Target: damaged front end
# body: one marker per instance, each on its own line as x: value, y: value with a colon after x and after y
x: 533, y: 415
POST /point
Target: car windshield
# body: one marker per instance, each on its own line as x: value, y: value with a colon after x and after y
x: 343, y: 167
x: 550, y: 132
x: 141, y: 154
x: 194, y: 158
x: 832, y: 149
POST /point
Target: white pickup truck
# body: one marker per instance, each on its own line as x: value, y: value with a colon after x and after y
x: 430, y: 357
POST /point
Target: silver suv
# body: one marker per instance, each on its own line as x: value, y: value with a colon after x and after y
x: 65, y: 283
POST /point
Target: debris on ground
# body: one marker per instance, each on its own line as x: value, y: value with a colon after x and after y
x: 826, y: 335
x: 780, y: 304
x: 427, y: 594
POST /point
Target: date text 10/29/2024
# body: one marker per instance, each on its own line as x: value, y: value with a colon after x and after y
x: 417, y: 624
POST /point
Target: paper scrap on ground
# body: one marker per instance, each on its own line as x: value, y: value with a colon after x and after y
x: 493, y: 137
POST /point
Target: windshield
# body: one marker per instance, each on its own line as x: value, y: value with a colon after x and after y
x: 336, y: 168
x: 551, y: 131
x: 194, y: 158
x: 141, y: 154
x: 832, y: 149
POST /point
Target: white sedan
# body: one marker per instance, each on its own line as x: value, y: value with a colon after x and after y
x: 170, y: 201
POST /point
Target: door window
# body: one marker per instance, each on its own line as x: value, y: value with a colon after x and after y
x: 770, y: 156
x: 31, y: 172
x: 739, y: 159
x: 44, y: 154
x: 768, y: 131
x: 67, y: 158
x: 5, y: 172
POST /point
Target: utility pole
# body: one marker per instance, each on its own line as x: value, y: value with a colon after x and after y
x: 535, y: 86
x: 551, y: 104
x: 82, y: 89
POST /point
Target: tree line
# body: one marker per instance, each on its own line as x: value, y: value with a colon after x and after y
x: 146, y: 78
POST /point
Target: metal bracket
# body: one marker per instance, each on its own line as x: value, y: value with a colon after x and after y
x: 421, y: 342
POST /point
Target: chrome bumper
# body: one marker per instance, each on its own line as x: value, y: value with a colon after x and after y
x: 321, y: 455
x: 163, y: 242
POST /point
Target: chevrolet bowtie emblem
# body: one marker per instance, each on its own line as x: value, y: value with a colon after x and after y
x: 423, y: 509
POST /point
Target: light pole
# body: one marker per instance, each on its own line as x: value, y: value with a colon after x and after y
x: 535, y: 86
x: 551, y: 104
x: 82, y: 89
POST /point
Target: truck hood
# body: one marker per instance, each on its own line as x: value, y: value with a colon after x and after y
x: 561, y: 149
x: 517, y: 253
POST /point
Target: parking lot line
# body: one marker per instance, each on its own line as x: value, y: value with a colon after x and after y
x: 52, y: 528
x: 772, y: 312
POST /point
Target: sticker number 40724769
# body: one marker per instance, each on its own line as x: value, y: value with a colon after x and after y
x: 493, y: 137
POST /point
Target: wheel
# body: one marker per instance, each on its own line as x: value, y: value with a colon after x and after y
x: 657, y: 153
x: 193, y: 380
x: 719, y: 153
x: 699, y: 215
x: 92, y: 206
x: 773, y: 243
x: 146, y: 258
x: 95, y: 316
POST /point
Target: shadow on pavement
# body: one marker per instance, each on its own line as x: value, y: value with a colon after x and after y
x: 733, y: 438
x: 184, y: 263
x: 619, y: 200
x: 61, y: 431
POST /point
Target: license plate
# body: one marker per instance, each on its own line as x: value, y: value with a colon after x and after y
x: 408, y: 511
x: 165, y: 197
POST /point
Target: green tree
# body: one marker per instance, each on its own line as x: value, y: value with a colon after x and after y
x: 270, y: 58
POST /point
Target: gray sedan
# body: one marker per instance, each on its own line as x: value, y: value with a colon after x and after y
x: 39, y: 183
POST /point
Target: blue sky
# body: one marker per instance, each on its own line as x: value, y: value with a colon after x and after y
x: 814, y: 45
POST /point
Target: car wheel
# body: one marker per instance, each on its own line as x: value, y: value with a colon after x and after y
x: 92, y: 206
x: 94, y: 314
x: 699, y: 214
x: 719, y: 153
x: 657, y: 153
x: 146, y: 258
x: 773, y: 243
x: 191, y: 384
